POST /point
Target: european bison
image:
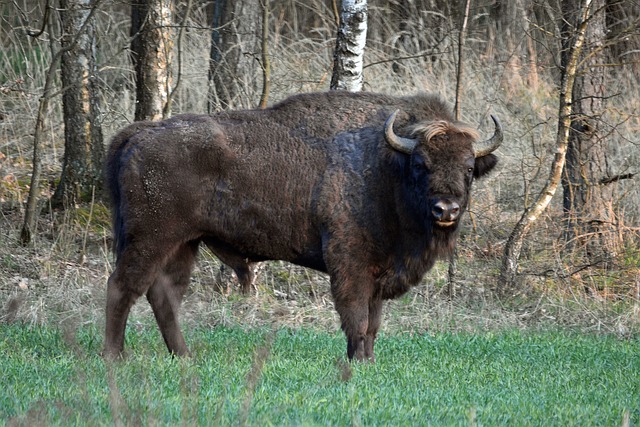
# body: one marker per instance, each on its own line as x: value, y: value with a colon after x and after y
x: 320, y: 180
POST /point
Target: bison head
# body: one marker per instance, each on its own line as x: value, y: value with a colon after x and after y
x: 443, y: 158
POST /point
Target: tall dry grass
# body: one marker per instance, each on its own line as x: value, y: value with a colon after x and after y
x: 62, y: 276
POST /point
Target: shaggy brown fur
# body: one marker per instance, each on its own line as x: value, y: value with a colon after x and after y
x: 310, y: 180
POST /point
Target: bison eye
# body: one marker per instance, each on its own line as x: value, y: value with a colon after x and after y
x: 470, y: 170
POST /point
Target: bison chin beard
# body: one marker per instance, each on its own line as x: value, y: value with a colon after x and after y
x: 443, y: 239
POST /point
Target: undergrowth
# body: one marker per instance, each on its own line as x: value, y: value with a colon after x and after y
x: 62, y: 278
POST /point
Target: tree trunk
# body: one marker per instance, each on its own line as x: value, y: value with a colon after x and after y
x: 569, y: 65
x: 152, y: 50
x: 403, y: 13
x: 234, y: 68
x: 460, y: 66
x: 266, y: 61
x: 588, y: 211
x: 453, y: 261
x: 348, y: 57
x: 29, y: 225
x: 84, y: 151
x: 528, y: 16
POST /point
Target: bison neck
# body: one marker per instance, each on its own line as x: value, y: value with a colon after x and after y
x: 414, y: 257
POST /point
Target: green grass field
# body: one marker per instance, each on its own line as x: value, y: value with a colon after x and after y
x: 259, y: 377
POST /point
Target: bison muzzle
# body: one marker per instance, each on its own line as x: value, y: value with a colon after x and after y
x: 368, y: 188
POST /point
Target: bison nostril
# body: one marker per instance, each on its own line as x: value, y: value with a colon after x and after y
x: 438, y: 210
x: 445, y: 210
x: 454, y: 210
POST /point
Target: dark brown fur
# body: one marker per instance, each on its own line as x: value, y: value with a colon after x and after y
x: 310, y: 180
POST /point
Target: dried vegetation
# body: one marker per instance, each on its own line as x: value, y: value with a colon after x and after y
x: 61, y: 277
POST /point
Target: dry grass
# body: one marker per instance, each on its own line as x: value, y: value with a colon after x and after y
x: 62, y: 280
x: 62, y: 275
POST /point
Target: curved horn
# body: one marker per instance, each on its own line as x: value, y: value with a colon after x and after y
x: 483, y: 148
x: 404, y: 145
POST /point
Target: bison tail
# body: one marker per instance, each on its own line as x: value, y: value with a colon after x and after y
x: 116, y: 159
x: 117, y: 218
x: 117, y: 215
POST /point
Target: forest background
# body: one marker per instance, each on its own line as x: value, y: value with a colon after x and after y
x: 70, y: 77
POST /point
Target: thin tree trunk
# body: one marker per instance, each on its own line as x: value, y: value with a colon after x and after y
x: 266, y: 63
x: 167, y: 106
x: 515, y: 242
x: 84, y: 151
x: 453, y: 261
x: 348, y: 57
x: 403, y: 13
x: 235, y: 47
x: 460, y: 70
x: 29, y: 225
x: 532, y: 55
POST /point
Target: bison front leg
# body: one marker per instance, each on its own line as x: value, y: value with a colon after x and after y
x: 352, y: 304
x: 246, y: 277
x: 375, y: 316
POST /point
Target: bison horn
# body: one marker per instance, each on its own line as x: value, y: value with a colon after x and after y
x: 486, y: 147
x: 404, y: 145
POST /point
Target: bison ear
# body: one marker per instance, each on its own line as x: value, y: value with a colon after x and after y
x: 484, y: 165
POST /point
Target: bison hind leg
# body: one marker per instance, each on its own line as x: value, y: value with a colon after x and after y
x: 133, y: 276
x: 119, y: 302
x: 166, y: 293
x: 246, y: 276
x: 244, y: 269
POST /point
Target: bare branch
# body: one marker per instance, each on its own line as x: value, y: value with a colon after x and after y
x: 167, y: 105
x: 45, y: 19
x: 616, y: 178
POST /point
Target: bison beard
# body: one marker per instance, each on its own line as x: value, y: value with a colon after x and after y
x: 368, y: 188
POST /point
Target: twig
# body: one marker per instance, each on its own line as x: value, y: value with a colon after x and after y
x: 45, y: 19
x: 167, y: 105
x: 266, y: 62
x: 615, y: 178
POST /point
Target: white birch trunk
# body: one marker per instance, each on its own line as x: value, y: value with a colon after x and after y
x: 153, y: 54
x: 82, y: 167
x: 348, y: 57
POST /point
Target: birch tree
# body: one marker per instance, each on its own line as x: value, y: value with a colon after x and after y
x: 83, y: 147
x: 453, y: 261
x: 265, y: 63
x: 569, y: 65
x: 152, y: 50
x: 590, y: 220
x: 348, y: 57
